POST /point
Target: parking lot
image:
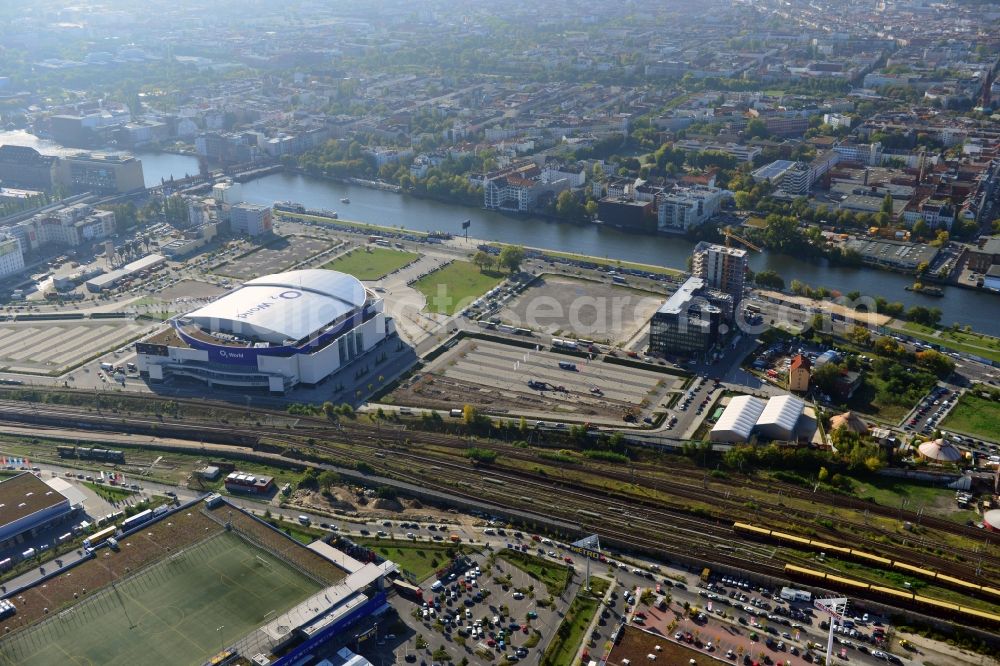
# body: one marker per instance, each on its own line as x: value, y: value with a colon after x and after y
x: 600, y: 310
x: 279, y: 255
x: 496, y: 376
x: 54, y: 346
x: 741, y: 623
x: 483, y: 609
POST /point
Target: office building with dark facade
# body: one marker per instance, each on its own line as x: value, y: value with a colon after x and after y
x: 687, y: 323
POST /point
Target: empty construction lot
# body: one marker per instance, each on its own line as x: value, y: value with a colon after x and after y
x: 573, y: 307
x: 495, y: 377
x: 279, y: 255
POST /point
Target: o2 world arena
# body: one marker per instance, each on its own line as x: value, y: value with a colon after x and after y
x: 274, y: 332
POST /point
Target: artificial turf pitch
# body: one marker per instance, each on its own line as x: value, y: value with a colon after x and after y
x: 181, y: 610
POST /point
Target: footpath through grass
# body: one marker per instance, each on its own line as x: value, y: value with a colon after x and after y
x: 372, y: 263
x: 975, y: 416
x: 571, y: 631
x: 976, y: 344
x: 554, y: 575
x: 455, y: 286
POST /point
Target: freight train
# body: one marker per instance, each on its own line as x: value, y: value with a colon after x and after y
x: 983, y: 591
x: 89, y: 453
x: 901, y: 598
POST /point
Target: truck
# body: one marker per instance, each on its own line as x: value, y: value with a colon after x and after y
x: 791, y: 594
x: 107, y: 367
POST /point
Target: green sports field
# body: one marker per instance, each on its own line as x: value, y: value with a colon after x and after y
x: 179, y: 611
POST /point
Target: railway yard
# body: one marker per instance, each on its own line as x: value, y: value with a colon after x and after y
x: 661, y: 505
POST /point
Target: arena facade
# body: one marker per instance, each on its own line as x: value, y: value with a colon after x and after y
x: 273, y: 332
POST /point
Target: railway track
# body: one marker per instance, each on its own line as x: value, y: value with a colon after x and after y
x: 661, y: 515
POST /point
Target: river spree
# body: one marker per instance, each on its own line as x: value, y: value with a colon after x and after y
x: 386, y: 208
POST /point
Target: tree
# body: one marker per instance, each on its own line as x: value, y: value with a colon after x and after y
x: 919, y: 228
x: 511, y: 257
x: 826, y: 376
x: 887, y: 346
x: 860, y: 335
x: 756, y: 128
x: 770, y: 279
x: 886, y: 205
x: 922, y: 315
x: 743, y: 199
x: 936, y: 362
x: 592, y: 207
x: 482, y: 259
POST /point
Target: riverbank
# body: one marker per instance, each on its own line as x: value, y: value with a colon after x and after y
x: 392, y: 211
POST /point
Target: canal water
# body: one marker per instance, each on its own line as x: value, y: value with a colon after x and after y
x: 965, y: 306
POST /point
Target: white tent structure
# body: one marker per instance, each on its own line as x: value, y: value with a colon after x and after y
x: 779, y: 418
x: 738, y: 420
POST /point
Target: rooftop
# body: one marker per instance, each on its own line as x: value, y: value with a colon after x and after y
x: 681, y: 298
x: 24, y: 495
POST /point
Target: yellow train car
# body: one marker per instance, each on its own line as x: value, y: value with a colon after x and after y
x: 829, y: 548
x: 791, y: 538
x: 982, y: 615
x: 871, y: 558
x: 920, y: 571
x: 802, y: 571
x: 937, y: 603
x: 992, y: 591
x: 753, y: 529
x: 892, y: 592
x: 958, y: 582
x: 847, y: 582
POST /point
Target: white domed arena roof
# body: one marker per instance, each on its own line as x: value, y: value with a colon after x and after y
x: 283, y: 307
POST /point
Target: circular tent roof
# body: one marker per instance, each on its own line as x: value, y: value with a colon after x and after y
x: 992, y: 520
x: 849, y: 420
x: 940, y: 450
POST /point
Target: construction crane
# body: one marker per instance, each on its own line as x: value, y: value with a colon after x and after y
x: 731, y: 236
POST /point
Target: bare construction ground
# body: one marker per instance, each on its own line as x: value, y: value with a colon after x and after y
x: 600, y: 311
x: 495, y: 376
x: 279, y: 255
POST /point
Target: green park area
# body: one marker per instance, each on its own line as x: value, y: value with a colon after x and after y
x: 572, y: 629
x: 976, y: 416
x: 419, y: 558
x: 455, y: 286
x: 966, y: 342
x: 371, y: 263
x: 554, y: 575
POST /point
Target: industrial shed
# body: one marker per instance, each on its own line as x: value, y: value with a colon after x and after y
x: 780, y: 417
x: 738, y: 420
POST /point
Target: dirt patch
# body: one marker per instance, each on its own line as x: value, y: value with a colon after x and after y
x: 191, y: 289
x: 596, y: 310
x: 361, y: 503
